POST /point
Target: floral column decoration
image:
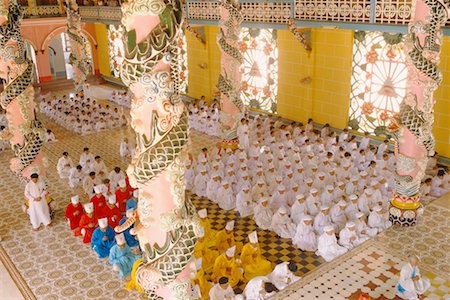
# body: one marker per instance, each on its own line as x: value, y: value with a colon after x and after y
x: 26, y: 134
x: 78, y: 58
x: 412, y: 127
x: 230, y: 76
x: 165, y: 220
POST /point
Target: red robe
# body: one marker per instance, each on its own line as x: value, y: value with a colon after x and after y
x: 113, y: 214
x: 73, y: 214
x: 122, y: 198
x: 99, y: 204
x: 84, y: 224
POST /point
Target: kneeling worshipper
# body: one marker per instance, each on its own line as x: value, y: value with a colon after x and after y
x: 210, y: 234
x: 123, y: 194
x: 88, y: 223
x: 411, y: 285
x: 99, y: 201
x: 201, y: 285
x: 262, y: 214
x: 132, y: 240
x: 322, y: 219
x: 377, y: 220
x: 338, y: 215
x: 203, y: 251
x: 120, y: 256
x: 252, y: 260
x: 74, y: 211
x: 305, y: 238
x: 259, y: 288
x: 244, y: 202
x: 348, y: 236
x: 103, y: 238
x: 327, y: 245
x: 64, y: 166
x: 221, y: 290
x: 225, y: 197
x: 361, y: 227
x: 283, y: 275
x: 38, y: 209
x: 282, y: 224
x: 227, y: 266
x: 299, y: 209
x: 112, y: 212
x: 225, y: 238
x: 133, y: 201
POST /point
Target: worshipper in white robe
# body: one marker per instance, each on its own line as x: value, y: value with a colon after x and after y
x: 364, y: 141
x: 338, y: 216
x: 411, y: 285
x: 320, y: 183
x: 258, y: 189
x: 339, y: 192
x: 327, y: 196
x: 311, y: 202
x: 76, y: 176
x: 283, y: 275
x: 244, y: 202
x: 99, y: 168
x: 362, y: 181
x: 201, y: 182
x: 38, y: 210
x: 352, y: 186
x: 282, y: 224
x: 243, y: 134
x: 262, y: 214
x: 50, y: 137
x: 305, y: 238
x: 299, y: 209
x: 438, y: 184
x: 279, y: 198
x: 364, y: 201
x: 322, y: 219
x: 212, y: 187
x: 259, y: 288
x: 348, y: 237
x: 115, y: 176
x: 327, y: 245
x: 361, y: 226
x: 225, y: 197
x: 87, y: 160
x: 89, y: 182
x: 377, y: 220
x: 230, y: 177
x: 352, y: 208
x: 64, y: 166
x: 382, y: 148
x: 221, y: 290
x: 189, y: 176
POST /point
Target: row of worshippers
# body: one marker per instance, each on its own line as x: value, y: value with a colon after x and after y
x: 82, y: 115
x: 219, y: 255
x: 95, y: 220
x: 89, y: 172
x: 126, y: 148
x: 121, y: 98
x: 204, y: 118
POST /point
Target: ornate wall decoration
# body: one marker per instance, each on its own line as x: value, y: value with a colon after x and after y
x: 259, y: 68
x: 335, y: 10
x: 116, y: 48
x: 183, y: 62
x: 26, y: 133
x: 412, y: 126
x: 78, y: 57
x: 378, y: 80
x: 231, y: 59
x: 165, y: 221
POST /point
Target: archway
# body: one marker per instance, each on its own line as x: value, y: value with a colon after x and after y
x: 31, y: 55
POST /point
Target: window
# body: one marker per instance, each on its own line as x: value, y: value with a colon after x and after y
x: 116, y: 49
x: 259, y: 69
x: 378, y: 82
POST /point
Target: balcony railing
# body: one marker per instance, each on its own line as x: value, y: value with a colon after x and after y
x: 100, y: 14
x: 43, y: 11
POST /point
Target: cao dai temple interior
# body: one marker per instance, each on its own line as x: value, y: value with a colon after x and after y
x: 203, y: 149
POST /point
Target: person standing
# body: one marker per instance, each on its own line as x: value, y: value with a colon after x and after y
x: 38, y: 210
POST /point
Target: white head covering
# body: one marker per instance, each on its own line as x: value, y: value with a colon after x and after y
x: 98, y: 189
x: 230, y: 225
x: 377, y: 208
x: 342, y: 203
x: 368, y: 191
x: 282, y: 210
x: 112, y: 199
x: 203, y: 213
x: 359, y: 215
x: 321, y: 174
x: 103, y: 222
x: 340, y: 183
x: 246, y: 187
x: 230, y: 251
x: 374, y: 182
x: 136, y: 194
x: 260, y: 181
x: 309, y: 180
x: 253, y: 237
x: 263, y: 199
x: 313, y: 190
x: 354, y: 178
x: 330, y: 187
x: 120, y: 239
x: 350, y: 224
x: 353, y: 197
x: 201, y: 232
x: 307, y: 218
x: 89, y: 207
x: 324, y: 207
x: 281, y: 188
x: 328, y: 228
x: 75, y: 199
x: 363, y: 173
x: 279, y: 178
x: 122, y: 183
x: 299, y: 196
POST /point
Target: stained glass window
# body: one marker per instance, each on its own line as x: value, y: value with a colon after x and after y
x: 260, y: 68
x: 182, y: 59
x: 378, y: 82
x: 116, y: 49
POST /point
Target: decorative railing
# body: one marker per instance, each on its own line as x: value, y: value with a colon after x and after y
x: 336, y: 11
x: 43, y: 11
x: 106, y: 14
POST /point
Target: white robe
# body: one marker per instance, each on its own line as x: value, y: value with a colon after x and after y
x: 408, y: 288
x: 263, y: 216
x: 350, y: 210
x: 37, y: 210
x: 320, y: 221
x: 189, y: 177
x: 311, y: 204
x: 277, y: 200
x: 211, y: 189
x: 64, y: 166
x: 345, y: 238
x: 225, y: 198
x: 283, y: 226
x: 298, y: 211
x: 87, y: 166
x: 114, y: 179
x: 364, y: 230
x: 244, y: 204
x: 305, y: 238
x: 326, y: 198
x: 328, y: 247
x: 364, y: 204
x: 200, y: 184
x: 217, y: 293
x: 338, y: 217
x: 75, y: 177
x: 254, y: 290
x: 378, y: 222
x: 281, y: 276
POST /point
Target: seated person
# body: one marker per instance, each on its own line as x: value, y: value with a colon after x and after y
x: 252, y: 260
x: 103, y: 238
x: 120, y: 256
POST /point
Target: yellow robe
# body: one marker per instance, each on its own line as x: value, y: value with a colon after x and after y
x: 132, y: 284
x: 253, y: 262
x: 225, y: 240
x: 208, y: 256
x: 224, y: 267
x: 210, y: 234
x: 203, y: 284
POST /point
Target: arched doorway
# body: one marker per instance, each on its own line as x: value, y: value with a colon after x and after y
x: 31, y: 55
x: 59, y: 50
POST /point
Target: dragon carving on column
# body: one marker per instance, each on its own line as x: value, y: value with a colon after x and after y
x: 165, y: 221
x: 412, y: 127
x: 26, y: 134
x: 229, y: 81
x: 78, y: 57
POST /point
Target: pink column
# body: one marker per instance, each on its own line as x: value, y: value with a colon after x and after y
x: 229, y: 83
x: 412, y: 127
x: 165, y: 220
x: 26, y: 133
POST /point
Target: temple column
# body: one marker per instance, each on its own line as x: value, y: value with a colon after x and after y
x: 412, y: 128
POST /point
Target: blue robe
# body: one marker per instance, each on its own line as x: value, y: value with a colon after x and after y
x: 131, y: 239
x: 131, y: 204
x: 123, y: 258
x: 99, y: 245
